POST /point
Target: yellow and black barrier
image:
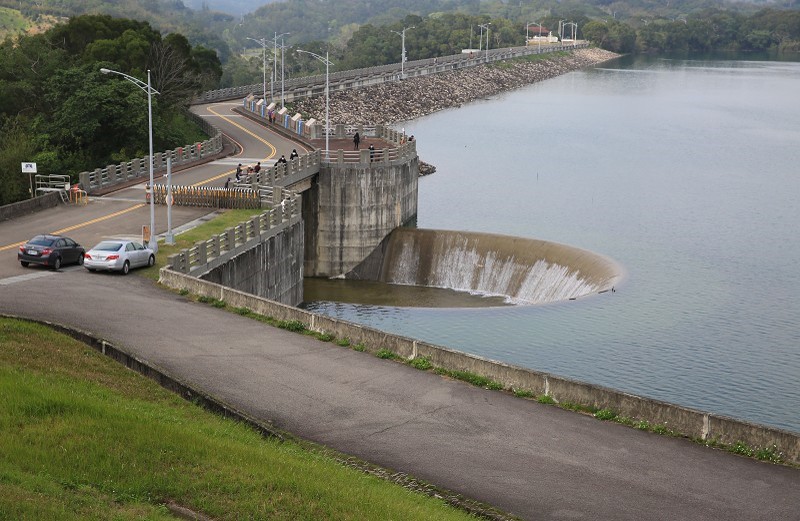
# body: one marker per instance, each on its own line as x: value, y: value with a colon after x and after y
x: 208, y: 196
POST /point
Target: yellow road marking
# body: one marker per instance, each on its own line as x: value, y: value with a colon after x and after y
x: 79, y: 225
x: 269, y: 145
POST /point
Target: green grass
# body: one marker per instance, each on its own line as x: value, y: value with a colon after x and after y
x: 227, y: 219
x: 422, y: 363
x: 85, y: 438
x: 385, y: 354
x: 472, y: 378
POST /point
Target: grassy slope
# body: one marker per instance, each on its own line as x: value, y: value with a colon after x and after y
x: 85, y: 438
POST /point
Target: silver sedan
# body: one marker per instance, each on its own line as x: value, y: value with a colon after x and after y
x: 118, y: 255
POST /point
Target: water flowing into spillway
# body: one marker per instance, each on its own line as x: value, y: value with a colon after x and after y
x: 525, y: 271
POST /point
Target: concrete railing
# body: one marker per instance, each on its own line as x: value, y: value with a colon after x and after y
x: 402, y: 152
x: 308, y: 86
x: 207, y: 255
x: 137, y: 169
x: 688, y: 422
x: 35, y: 204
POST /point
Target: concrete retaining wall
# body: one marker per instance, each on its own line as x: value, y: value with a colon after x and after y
x: 273, y: 269
x: 41, y: 202
x: 358, y: 205
x: 689, y: 422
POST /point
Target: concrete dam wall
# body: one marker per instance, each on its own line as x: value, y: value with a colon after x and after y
x: 526, y: 271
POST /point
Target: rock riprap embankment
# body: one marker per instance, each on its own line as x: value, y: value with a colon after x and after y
x: 415, y: 97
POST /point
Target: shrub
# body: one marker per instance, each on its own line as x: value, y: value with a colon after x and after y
x: 605, y: 414
x: 546, y: 399
x: 292, y: 325
x: 423, y: 363
x: 385, y: 354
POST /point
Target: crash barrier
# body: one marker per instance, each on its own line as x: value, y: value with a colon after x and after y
x: 137, y: 169
x: 206, y: 196
x: 309, y: 86
x: 206, y: 255
x: 691, y: 423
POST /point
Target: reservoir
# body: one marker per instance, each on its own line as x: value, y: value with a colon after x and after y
x: 685, y: 172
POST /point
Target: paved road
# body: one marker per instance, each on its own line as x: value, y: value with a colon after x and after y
x: 123, y: 212
x: 536, y: 461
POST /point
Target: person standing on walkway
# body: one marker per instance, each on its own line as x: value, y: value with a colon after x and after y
x: 293, y: 155
x: 371, y: 152
x: 356, y: 141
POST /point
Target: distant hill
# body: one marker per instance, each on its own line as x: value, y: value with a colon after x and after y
x: 233, y: 7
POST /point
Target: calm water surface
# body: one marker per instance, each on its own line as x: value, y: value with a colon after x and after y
x: 684, y: 171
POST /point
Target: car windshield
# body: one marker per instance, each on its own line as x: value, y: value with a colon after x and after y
x: 40, y: 240
x: 108, y: 246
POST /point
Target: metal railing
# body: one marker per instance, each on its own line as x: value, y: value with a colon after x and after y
x: 207, y: 196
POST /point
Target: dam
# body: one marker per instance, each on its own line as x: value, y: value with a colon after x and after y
x: 520, y: 270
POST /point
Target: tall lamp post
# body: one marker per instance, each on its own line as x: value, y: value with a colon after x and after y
x: 402, y: 35
x: 153, y: 243
x: 327, y: 63
x: 282, y: 47
x: 485, y: 26
x: 263, y: 43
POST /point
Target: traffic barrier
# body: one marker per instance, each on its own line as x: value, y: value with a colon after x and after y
x: 207, y: 196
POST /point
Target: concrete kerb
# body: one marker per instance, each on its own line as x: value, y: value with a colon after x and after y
x: 219, y: 407
x: 668, y: 417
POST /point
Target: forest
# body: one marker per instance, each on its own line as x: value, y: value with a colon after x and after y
x: 58, y: 110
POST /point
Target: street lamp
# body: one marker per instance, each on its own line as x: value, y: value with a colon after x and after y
x: 327, y: 63
x: 150, y: 91
x: 263, y: 43
x: 485, y: 26
x: 539, y: 36
x: 402, y: 36
x: 275, y: 69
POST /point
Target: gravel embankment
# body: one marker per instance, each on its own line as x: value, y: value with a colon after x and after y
x: 415, y: 97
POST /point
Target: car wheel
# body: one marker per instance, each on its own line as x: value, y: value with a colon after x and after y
x: 151, y: 260
x: 80, y: 259
x: 24, y: 264
x: 57, y: 264
x: 126, y: 268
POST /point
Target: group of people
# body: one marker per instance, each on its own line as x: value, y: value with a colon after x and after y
x: 240, y: 173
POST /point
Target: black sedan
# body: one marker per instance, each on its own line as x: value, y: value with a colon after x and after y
x: 50, y: 250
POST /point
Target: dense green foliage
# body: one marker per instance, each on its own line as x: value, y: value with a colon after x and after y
x: 166, y: 16
x: 57, y: 109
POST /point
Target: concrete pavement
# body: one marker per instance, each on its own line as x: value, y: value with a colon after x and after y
x: 533, y: 460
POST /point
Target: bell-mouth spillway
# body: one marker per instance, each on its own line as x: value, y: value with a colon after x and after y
x: 523, y: 271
